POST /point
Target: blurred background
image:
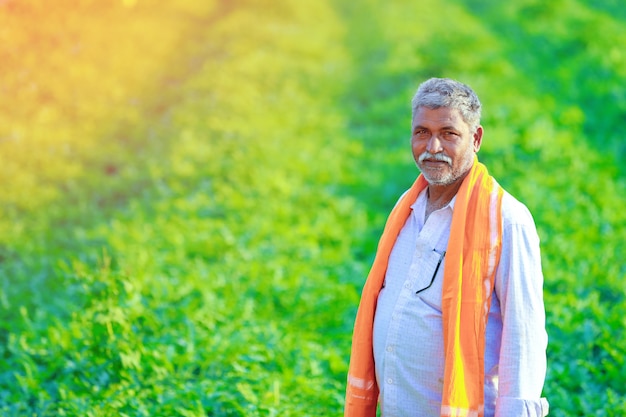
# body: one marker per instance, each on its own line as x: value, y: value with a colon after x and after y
x: 192, y: 191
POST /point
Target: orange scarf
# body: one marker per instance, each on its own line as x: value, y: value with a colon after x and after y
x: 471, y: 258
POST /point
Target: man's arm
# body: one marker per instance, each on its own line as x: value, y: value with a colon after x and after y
x: 519, y: 286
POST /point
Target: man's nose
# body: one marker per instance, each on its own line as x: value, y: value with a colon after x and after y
x: 434, y: 145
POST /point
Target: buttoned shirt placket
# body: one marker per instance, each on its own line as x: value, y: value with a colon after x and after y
x: 428, y: 242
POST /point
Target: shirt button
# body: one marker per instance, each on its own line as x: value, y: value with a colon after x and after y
x: 389, y: 348
x: 407, y: 285
x: 389, y: 381
x: 418, y: 254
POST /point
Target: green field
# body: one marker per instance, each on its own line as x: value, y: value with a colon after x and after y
x: 193, y: 191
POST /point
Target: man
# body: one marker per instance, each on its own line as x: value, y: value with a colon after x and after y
x: 451, y: 320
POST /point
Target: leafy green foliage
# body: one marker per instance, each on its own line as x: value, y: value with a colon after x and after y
x: 193, y: 193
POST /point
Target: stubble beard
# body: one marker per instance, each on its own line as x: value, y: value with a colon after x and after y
x: 443, y: 177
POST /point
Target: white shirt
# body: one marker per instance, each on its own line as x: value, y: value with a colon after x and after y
x: 408, y: 332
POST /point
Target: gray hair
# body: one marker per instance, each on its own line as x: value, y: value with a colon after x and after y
x: 444, y: 92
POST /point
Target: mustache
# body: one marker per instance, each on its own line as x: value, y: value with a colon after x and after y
x: 435, y: 156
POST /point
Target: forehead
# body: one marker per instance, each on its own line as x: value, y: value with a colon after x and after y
x: 437, y: 118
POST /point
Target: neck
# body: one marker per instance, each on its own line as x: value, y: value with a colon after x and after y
x: 440, y: 195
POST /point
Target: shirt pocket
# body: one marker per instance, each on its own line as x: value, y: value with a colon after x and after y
x: 429, y: 282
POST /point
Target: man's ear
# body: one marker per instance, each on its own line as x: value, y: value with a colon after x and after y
x: 477, y: 138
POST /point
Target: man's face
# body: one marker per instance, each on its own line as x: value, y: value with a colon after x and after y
x: 443, y: 144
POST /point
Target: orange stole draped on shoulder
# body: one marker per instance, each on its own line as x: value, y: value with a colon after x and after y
x: 468, y: 279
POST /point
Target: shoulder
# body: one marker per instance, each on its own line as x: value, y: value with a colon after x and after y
x: 514, y: 212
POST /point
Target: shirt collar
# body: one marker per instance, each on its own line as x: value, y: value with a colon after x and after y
x: 420, y: 202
